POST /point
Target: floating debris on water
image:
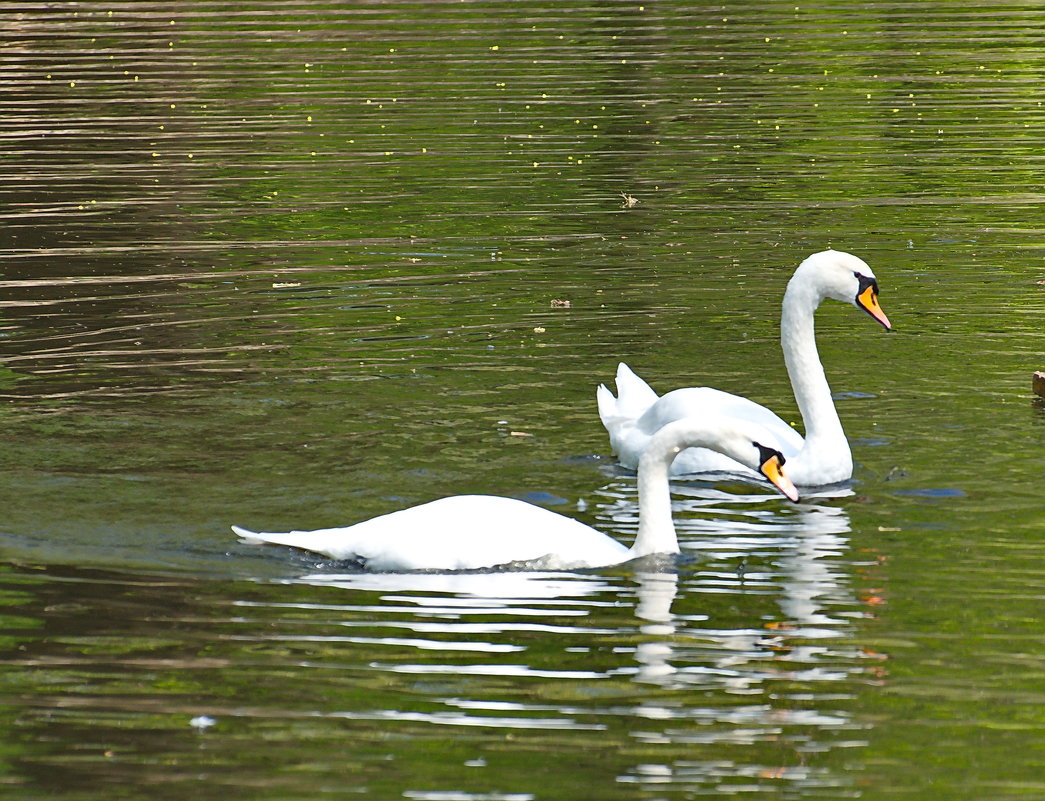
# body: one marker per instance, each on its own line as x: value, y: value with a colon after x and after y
x: 202, y: 722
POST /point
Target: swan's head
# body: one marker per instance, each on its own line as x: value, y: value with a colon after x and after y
x: 741, y: 441
x: 844, y: 277
x: 745, y: 443
x: 771, y: 465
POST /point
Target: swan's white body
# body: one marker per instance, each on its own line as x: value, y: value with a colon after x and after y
x: 823, y: 456
x: 469, y: 532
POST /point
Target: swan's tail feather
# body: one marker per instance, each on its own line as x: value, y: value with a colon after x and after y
x: 249, y: 537
x: 634, y: 396
x: 620, y: 414
x: 607, y: 404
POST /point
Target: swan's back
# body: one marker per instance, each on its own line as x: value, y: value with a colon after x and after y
x: 704, y: 402
x: 463, y: 532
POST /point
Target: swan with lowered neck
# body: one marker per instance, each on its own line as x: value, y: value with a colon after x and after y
x: 823, y: 457
x: 469, y: 532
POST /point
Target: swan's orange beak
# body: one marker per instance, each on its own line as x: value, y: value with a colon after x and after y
x: 773, y: 469
x: 868, y: 301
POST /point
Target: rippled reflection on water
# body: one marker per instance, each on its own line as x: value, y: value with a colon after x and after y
x: 302, y: 265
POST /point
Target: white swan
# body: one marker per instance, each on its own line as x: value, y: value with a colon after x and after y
x: 467, y: 532
x: 823, y: 457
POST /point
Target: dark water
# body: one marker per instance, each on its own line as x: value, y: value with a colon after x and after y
x: 299, y: 264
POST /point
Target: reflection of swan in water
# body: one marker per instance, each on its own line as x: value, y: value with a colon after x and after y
x: 800, y: 542
x: 525, y: 594
x: 467, y: 588
x: 810, y: 579
x: 656, y: 593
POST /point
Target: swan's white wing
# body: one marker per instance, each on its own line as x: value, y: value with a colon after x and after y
x: 463, y: 532
x: 703, y: 401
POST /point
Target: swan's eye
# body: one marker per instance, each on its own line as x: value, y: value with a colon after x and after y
x: 866, y: 281
x: 765, y: 454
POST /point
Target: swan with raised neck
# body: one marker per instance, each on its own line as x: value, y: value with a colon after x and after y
x: 823, y: 456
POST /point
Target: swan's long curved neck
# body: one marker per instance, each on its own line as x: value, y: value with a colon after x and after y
x: 812, y: 392
x: 656, y: 529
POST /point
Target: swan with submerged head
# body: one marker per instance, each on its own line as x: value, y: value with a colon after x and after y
x: 823, y: 456
x: 470, y: 532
